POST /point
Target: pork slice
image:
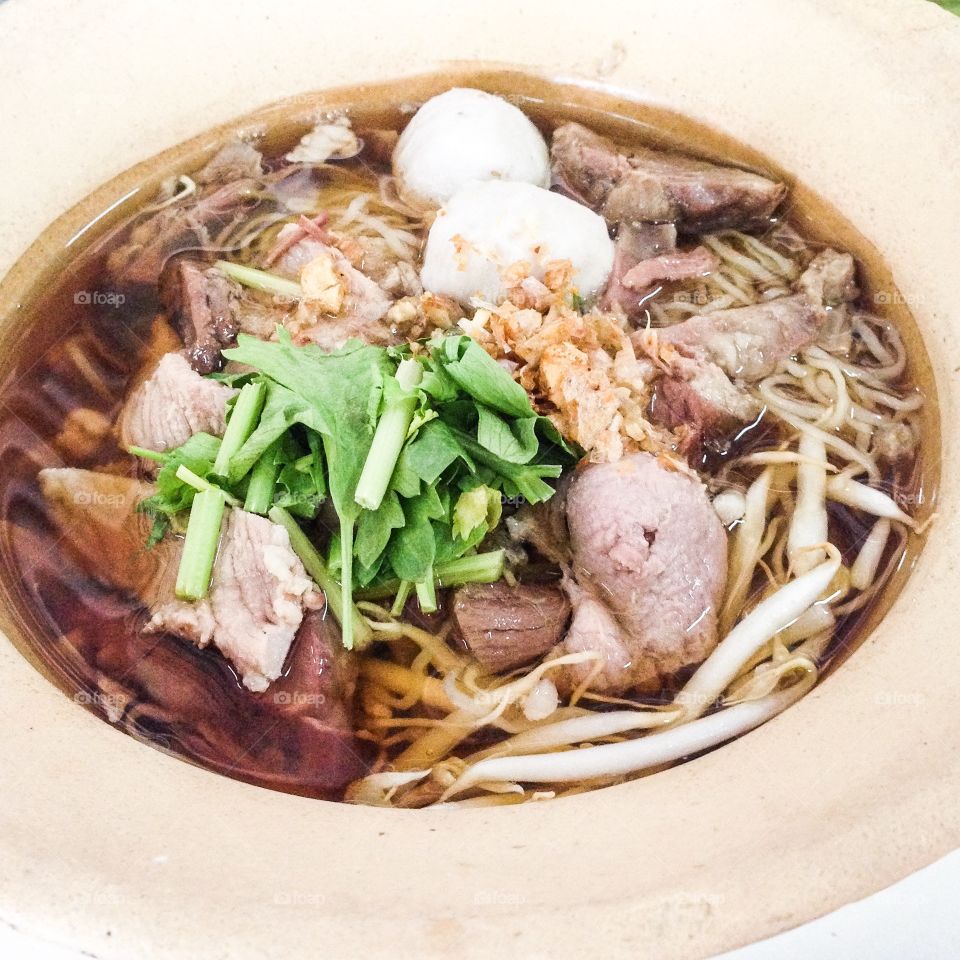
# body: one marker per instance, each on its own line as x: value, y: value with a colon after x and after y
x: 256, y: 601
x: 507, y: 626
x: 637, y: 183
x: 182, y: 225
x: 594, y: 629
x: 233, y: 161
x: 749, y: 342
x: 635, y: 243
x: 356, y: 307
x: 202, y: 304
x: 699, y: 401
x: 649, y: 565
x: 830, y: 279
x: 171, y: 405
x: 673, y: 266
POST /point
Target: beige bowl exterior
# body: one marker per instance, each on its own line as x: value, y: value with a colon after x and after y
x: 117, y: 849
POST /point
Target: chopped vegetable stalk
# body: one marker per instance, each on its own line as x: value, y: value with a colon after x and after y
x: 263, y: 482
x: 243, y: 421
x: 200, y: 546
x: 317, y: 569
x: 477, y: 568
x: 260, y: 279
x: 185, y: 474
x: 346, y: 579
x: 427, y: 594
x: 400, y: 600
x: 146, y: 454
x: 390, y: 436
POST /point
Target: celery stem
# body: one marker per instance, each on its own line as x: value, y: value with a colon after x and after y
x: 200, y: 545
x: 477, y: 568
x: 427, y: 594
x: 263, y: 481
x: 400, y: 600
x: 390, y: 435
x: 185, y: 474
x: 243, y: 421
x: 317, y: 569
x: 260, y: 279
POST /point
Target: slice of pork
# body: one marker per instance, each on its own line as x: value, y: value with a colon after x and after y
x: 233, y: 161
x: 341, y: 302
x: 649, y: 568
x: 639, y: 184
x: 749, y: 342
x: 635, y: 243
x: 701, y: 404
x: 202, y: 304
x: 745, y: 344
x: 255, y: 604
x: 171, y: 405
x: 673, y: 266
x: 830, y: 279
x: 507, y: 626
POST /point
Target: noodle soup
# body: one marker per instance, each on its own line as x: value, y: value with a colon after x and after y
x: 357, y: 470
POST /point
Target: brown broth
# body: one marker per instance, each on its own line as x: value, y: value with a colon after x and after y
x: 72, y: 355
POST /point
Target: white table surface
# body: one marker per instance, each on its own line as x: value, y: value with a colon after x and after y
x: 916, y: 919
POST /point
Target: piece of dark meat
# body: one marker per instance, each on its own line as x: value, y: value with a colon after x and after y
x: 700, y: 403
x: 717, y: 352
x: 186, y: 224
x: 201, y: 302
x: 316, y: 695
x: 639, y: 184
x: 648, y: 573
x: 320, y: 676
x: 507, y: 626
x: 635, y: 242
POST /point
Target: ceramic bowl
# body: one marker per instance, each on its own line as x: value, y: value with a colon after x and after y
x: 117, y: 849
